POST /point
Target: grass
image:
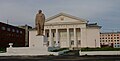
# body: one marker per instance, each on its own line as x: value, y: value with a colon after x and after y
x: 2, y: 50
x: 100, y: 49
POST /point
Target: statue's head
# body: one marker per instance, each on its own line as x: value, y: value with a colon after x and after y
x: 40, y: 11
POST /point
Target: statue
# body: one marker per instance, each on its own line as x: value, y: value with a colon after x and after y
x: 39, y: 22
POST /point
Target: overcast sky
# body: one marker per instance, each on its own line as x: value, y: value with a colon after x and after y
x: 20, y: 12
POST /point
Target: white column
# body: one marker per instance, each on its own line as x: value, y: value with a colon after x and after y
x: 68, y: 38
x: 51, y: 43
x: 75, y: 38
x: 57, y: 38
x: 44, y: 32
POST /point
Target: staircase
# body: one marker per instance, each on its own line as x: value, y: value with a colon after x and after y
x: 64, y: 51
x: 70, y: 53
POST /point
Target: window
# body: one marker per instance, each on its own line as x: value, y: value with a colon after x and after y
x: 47, y: 34
x: 21, y: 32
x: 117, y: 34
x: 17, y: 31
x: 79, y: 42
x: 3, y: 28
x: 111, y: 40
x: 8, y: 29
x: 71, y: 34
x: 117, y: 37
x: 53, y: 34
x: 106, y: 40
x: 72, y: 42
x: 13, y: 30
x: 17, y: 35
x: 103, y: 40
x: 118, y: 46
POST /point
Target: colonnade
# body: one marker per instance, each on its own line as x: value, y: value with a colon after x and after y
x: 57, y: 37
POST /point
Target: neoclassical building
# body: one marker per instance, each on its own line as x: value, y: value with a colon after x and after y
x: 66, y: 31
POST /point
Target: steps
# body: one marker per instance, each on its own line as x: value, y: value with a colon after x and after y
x: 71, y: 53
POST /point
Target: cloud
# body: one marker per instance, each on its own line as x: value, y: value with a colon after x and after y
x: 21, y: 12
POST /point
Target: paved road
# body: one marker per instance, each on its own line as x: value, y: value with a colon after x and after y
x: 60, y: 58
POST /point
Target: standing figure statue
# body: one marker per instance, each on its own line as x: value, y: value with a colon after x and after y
x: 39, y: 22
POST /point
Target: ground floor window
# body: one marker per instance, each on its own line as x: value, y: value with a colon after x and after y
x: 79, y: 42
x: 72, y: 42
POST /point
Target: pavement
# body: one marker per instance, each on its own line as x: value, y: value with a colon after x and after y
x: 59, y: 58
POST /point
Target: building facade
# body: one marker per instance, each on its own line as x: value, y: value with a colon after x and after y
x: 27, y: 28
x: 67, y: 31
x: 111, y: 39
x: 11, y: 34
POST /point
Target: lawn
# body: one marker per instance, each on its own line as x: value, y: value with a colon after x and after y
x: 2, y: 50
x: 100, y: 49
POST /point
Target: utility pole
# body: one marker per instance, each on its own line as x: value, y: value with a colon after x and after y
x: 7, y: 21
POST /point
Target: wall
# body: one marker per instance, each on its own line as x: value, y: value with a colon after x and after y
x: 11, y: 34
x: 100, y: 53
x: 93, y: 37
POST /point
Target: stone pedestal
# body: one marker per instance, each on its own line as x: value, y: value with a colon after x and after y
x: 37, y: 41
x: 36, y: 46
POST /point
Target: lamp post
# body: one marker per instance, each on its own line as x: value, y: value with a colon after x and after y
x: 95, y: 42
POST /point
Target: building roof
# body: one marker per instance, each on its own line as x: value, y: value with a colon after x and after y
x: 24, y: 26
x: 10, y: 25
x: 109, y: 32
x: 93, y: 25
x: 67, y: 15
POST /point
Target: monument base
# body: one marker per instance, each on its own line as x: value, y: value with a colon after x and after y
x: 37, y: 46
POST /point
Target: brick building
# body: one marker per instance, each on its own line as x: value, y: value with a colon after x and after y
x: 27, y: 28
x: 11, y: 34
x: 110, y: 39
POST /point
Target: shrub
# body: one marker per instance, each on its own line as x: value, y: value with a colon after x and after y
x: 59, y: 49
x: 2, y: 50
x: 100, y: 49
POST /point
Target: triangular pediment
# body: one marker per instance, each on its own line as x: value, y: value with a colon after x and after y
x: 63, y: 18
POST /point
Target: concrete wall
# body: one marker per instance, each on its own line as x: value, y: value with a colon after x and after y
x: 27, y: 51
x: 100, y: 53
x: 35, y: 40
x: 93, y: 37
